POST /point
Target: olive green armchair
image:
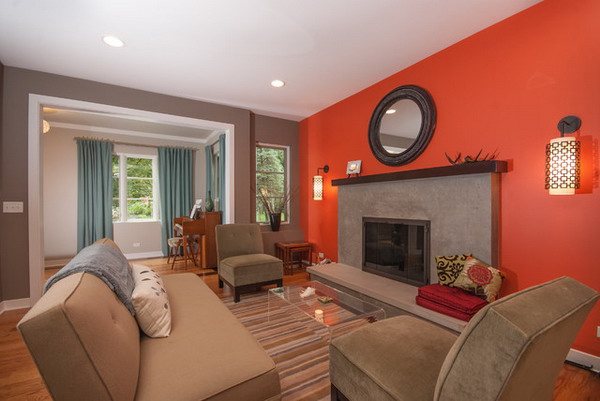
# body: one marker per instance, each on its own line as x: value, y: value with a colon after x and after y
x: 512, y: 350
x: 242, y: 263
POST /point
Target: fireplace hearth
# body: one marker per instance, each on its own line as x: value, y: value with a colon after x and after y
x: 397, y: 249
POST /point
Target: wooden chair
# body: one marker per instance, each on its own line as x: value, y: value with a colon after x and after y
x: 193, y: 233
x: 175, y: 243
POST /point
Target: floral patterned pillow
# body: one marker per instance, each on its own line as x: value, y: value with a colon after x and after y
x: 480, y: 279
x: 449, y: 267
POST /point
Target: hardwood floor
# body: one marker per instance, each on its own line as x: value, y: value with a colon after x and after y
x: 19, y: 379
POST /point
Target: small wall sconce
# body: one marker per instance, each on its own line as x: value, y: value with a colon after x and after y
x: 563, y: 159
x: 318, y: 183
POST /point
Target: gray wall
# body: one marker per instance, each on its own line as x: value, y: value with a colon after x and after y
x: 19, y: 83
x: 280, y: 132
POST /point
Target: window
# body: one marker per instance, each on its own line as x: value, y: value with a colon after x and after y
x: 271, y: 177
x: 134, y: 188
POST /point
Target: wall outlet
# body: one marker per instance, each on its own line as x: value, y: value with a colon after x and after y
x: 598, y: 331
x: 321, y: 255
x: 12, y: 207
x: 137, y: 244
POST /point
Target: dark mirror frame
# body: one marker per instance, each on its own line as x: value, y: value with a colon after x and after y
x: 428, y: 117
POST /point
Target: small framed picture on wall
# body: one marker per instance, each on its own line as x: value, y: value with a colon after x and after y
x: 353, y: 167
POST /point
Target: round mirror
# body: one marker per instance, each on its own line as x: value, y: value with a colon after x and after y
x: 402, y: 125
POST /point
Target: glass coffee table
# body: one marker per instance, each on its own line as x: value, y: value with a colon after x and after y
x: 339, y: 313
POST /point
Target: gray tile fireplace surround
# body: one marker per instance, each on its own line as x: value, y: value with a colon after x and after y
x: 463, y: 211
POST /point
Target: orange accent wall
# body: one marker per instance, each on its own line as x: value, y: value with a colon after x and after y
x: 503, y: 88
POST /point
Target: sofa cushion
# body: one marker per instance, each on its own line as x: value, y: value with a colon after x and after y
x: 84, y: 341
x: 250, y: 269
x: 393, y: 359
x: 480, y: 279
x: 441, y: 308
x: 151, y: 302
x: 449, y: 267
x: 209, y: 354
x: 454, y: 298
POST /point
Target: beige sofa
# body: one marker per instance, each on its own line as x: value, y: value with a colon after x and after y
x: 87, y: 346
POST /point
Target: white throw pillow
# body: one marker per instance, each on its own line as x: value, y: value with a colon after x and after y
x: 150, y: 301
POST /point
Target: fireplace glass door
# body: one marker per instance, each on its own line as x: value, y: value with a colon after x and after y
x: 397, y: 249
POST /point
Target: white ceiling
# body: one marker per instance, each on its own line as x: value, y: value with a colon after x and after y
x: 227, y: 51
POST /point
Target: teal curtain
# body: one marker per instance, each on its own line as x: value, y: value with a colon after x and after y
x: 175, y: 177
x: 208, y: 156
x: 94, y: 191
x: 222, y: 195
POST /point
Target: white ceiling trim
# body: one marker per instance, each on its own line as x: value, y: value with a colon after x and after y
x: 213, y: 137
x: 116, y: 131
x: 180, y: 122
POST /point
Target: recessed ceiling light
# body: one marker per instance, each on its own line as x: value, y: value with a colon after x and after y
x: 112, y: 41
x: 390, y: 111
x: 277, y: 83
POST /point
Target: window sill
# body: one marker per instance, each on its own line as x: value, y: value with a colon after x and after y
x: 136, y: 221
x: 283, y: 223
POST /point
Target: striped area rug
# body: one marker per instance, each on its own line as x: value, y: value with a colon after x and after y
x: 297, y: 343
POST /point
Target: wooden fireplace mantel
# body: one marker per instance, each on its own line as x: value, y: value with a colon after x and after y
x: 490, y: 166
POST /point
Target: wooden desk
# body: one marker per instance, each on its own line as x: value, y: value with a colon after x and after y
x: 287, y: 251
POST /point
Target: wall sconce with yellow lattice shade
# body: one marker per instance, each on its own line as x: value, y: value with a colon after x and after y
x: 563, y: 159
x: 318, y: 183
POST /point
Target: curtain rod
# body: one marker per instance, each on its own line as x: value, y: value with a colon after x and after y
x: 132, y: 144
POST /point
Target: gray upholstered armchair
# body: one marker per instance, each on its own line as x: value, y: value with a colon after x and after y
x: 512, y: 350
x: 243, y: 266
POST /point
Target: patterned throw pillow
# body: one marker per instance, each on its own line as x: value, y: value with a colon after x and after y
x: 449, y: 267
x: 150, y: 301
x: 480, y: 279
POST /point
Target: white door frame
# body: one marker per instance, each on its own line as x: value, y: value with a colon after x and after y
x: 35, y: 173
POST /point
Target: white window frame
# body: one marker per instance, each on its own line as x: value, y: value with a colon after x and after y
x: 123, y: 217
x: 287, y: 179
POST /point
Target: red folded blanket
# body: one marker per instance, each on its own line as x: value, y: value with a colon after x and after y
x: 453, y: 298
x: 425, y: 303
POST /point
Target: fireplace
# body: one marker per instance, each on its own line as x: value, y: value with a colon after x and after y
x: 397, y: 249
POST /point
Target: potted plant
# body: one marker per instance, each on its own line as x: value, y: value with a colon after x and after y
x: 274, y: 205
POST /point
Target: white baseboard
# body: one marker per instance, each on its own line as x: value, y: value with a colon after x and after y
x: 54, y: 263
x: 585, y: 359
x: 144, y: 255
x: 11, y: 304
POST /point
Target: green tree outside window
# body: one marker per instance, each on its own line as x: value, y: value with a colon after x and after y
x: 271, y: 177
x: 138, y: 177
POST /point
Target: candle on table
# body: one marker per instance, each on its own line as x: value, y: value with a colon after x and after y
x: 319, y: 315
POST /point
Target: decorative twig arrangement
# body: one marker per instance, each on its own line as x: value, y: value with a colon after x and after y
x: 472, y: 159
x: 274, y: 204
